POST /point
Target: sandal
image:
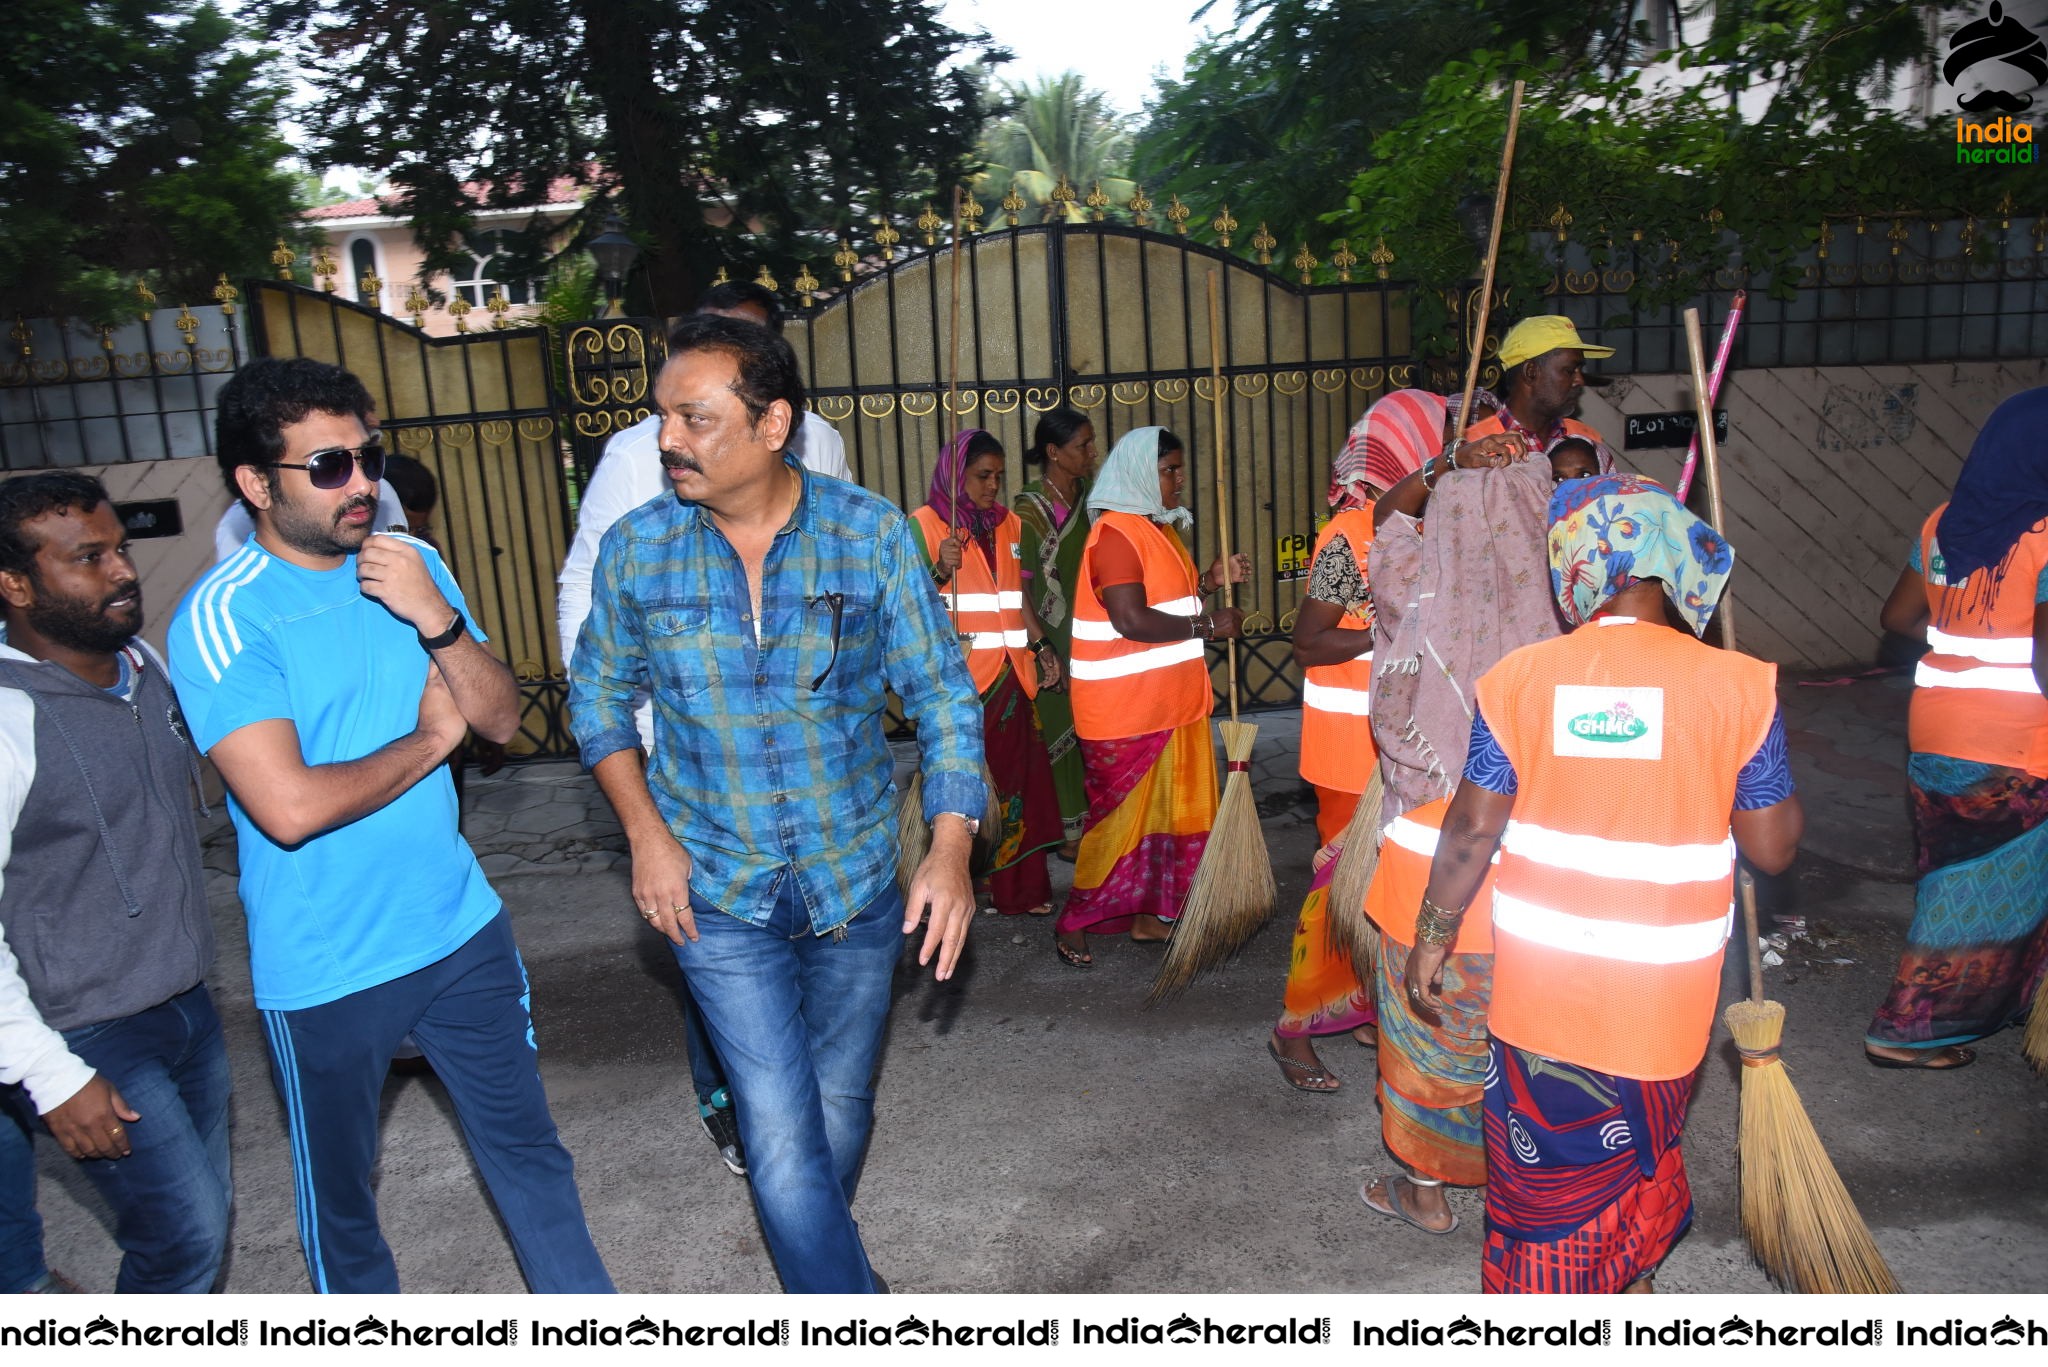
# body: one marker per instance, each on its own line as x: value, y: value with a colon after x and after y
x: 1043, y: 909
x: 1395, y: 1184
x: 1310, y: 1073
x: 1071, y: 957
x: 1955, y: 1054
x: 1365, y: 1043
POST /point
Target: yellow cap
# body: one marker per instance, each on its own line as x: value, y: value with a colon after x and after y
x: 1532, y: 337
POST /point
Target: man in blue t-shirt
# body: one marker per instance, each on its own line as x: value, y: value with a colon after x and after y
x: 328, y: 672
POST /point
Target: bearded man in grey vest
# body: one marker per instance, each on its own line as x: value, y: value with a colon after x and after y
x: 108, y: 1039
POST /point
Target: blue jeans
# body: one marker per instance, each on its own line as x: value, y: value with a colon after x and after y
x: 171, y: 1194
x: 797, y: 1020
x: 469, y: 1014
x: 21, y: 1229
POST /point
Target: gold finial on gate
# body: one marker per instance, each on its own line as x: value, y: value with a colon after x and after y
x: 458, y: 309
x: 370, y: 290
x: 1381, y: 256
x: 886, y: 237
x: 1561, y: 221
x: 1969, y: 235
x: 325, y: 267
x: 1343, y: 258
x: 765, y: 280
x: 1140, y: 207
x: 805, y: 284
x: 1013, y: 204
x: 1859, y: 225
x: 1713, y: 217
x: 1305, y: 262
x: 970, y: 214
x: 416, y: 304
x: 2005, y: 206
x: 1263, y: 243
x: 497, y: 305
x: 1898, y: 233
x: 187, y: 323
x: 106, y: 336
x: 2039, y: 231
x: 1177, y: 214
x: 145, y: 297
x: 1826, y: 240
x: 283, y: 258
x: 845, y: 259
x: 1097, y: 201
x: 722, y: 278
x: 20, y: 333
x: 1062, y: 199
x: 929, y: 224
x: 225, y: 295
x: 1224, y: 225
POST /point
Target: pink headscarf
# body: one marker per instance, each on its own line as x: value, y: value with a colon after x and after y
x: 948, y: 475
x: 1391, y: 441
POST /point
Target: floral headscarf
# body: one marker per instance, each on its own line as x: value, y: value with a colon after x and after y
x: 1611, y: 532
x: 1129, y: 480
x: 947, y: 476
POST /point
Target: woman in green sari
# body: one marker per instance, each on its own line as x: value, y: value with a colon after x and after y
x: 1054, y: 511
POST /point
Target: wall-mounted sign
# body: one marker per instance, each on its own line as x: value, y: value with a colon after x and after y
x: 1291, y: 556
x: 151, y: 518
x: 1654, y: 431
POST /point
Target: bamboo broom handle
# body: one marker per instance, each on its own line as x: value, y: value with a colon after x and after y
x: 1500, y: 210
x: 1710, y: 459
x: 1222, y: 470
x: 953, y: 394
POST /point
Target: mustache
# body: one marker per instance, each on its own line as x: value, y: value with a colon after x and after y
x: 676, y: 460
x: 359, y: 501
x: 132, y: 591
x: 1994, y: 99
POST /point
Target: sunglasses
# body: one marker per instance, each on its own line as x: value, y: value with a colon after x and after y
x: 330, y: 469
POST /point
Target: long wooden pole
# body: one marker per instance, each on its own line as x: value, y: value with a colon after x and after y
x: 1500, y: 212
x: 953, y: 400
x: 1710, y: 459
x: 1222, y: 468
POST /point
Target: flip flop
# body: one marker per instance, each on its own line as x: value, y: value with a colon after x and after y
x: 1962, y: 1058
x: 1395, y: 1183
x: 1072, y: 958
x: 1310, y: 1072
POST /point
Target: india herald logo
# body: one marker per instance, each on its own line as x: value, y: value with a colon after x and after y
x: 1618, y: 725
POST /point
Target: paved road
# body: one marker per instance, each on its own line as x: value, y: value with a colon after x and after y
x: 1039, y: 1130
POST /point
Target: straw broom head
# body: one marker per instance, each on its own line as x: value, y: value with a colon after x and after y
x: 1348, y: 931
x: 914, y: 833
x: 1233, y: 892
x: 2035, y: 1043
x: 1800, y: 1220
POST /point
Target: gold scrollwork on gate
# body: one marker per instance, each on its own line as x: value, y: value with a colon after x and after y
x: 966, y: 402
x: 1205, y: 389
x: 1617, y: 282
x: 919, y: 405
x: 1042, y: 399
x: 833, y: 407
x: 89, y: 367
x: 1171, y: 391
x: 496, y: 432
x: 1130, y: 393
x: 414, y: 440
x: 877, y: 406
x: 1288, y: 619
x: 1400, y: 376
x: 1002, y: 401
x: 529, y: 670
x: 1368, y: 376
x: 543, y: 429
x: 1256, y: 623
x: 172, y: 362
x: 1298, y: 379
x: 1326, y: 381
x: 597, y: 424
x: 460, y: 435
x: 1581, y: 282
x: 1086, y: 397
x: 214, y: 360
x: 132, y: 366
x: 594, y: 345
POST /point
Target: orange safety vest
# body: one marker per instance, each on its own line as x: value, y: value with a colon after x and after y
x: 1122, y: 688
x: 1613, y: 899
x: 986, y: 602
x: 1491, y: 424
x: 1406, y: 849
x: 1977, y: 698
x: 1336, y: 700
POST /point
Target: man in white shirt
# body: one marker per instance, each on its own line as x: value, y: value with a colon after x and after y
x: 628, y: 475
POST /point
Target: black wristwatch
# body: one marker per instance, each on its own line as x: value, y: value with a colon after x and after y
x: 449, y: 637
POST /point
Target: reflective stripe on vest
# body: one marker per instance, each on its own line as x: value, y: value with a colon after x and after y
x: 1351, y: 702
x: 1005, y: 601
x: 1977, y: 697
x: 986, y: 602
x: 1121, y: 687
x: 1337, y: 750
x: 1087, y: 630
x: 1991, y: 678
x: 1621, y: 941
x: 1638, y: 860
x: 1998, y: 650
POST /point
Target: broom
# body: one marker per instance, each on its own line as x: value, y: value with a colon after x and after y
x: 913, y: 832
x: 2034, y: 1045
x: 1800, y: 1220
x: 1359, y: 855
x: 1233, y: 892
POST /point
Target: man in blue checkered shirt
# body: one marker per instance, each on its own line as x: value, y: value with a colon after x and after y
x: 767, y: 610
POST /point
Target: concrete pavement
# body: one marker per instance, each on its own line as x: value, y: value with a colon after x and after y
x: 1038, y: 1129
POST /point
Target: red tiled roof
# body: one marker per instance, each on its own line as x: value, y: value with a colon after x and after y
x: 561, y: 190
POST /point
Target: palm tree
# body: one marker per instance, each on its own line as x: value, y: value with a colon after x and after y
x: 1057, y: 129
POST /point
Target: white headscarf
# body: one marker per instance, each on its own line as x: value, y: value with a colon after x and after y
x: 1128, y: 481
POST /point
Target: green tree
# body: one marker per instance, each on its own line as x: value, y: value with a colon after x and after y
x: 720, y: 129
x: 1056, y: 129
x: 134, y: 137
